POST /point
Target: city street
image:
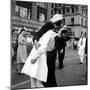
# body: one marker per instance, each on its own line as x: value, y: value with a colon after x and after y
x: 72, y: 74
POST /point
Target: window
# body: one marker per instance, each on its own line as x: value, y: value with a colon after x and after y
x: 72, y: 21
x: 72, y: 10
x: 86, y: 11
x: 52, y: 12
x: 59, y: 11
x: 29, y: 14
x: 68, y: 10
x: 52, y: 5
x: 82, y: 9
x: 63, y: 11
x: 55, y: 5
x: 41, y: 17
x: 41, y: 4
x: 59, y: 5
x: 23, y: 12
x: 76, y: 9
x: 64, y: 21
x: 55, y: 10
x: 17, y: 10
x: 45, y: 5
x: 82, y: 22
x: 85, y: 22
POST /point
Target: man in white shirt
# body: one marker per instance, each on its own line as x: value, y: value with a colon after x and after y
x: 81, y: 47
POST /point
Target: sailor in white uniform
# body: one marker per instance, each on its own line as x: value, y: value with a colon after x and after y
x: 81, y: 47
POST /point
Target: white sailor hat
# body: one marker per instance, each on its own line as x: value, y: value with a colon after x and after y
x: 56, y: 18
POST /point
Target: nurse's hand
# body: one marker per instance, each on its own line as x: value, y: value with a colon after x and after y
x: 61, y: 51
x: 33, y: 61
x: 37, y: 45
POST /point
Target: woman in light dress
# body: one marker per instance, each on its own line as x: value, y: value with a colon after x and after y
x: 22, y: 50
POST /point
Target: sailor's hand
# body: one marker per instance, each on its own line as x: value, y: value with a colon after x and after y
x: 37, y: 45
x: 61, y: 51
x: 33, y: 61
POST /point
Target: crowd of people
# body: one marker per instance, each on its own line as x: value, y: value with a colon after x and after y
x: 72, y: 43
x: 39, y: 60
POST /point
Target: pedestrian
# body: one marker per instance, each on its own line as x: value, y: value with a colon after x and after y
x: 86, y: 47
x: 62, y: 44
x: 61, y: 52
x: 14, y: 46
x: 22, y: 50
x: 12, y: 52
x: 81, y: 47
x: 75, y: 44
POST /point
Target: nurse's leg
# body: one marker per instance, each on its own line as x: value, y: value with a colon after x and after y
x: 33, y: 82
x: 39, y: 83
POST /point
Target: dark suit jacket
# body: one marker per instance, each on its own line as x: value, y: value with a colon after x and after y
x: 60, y: 43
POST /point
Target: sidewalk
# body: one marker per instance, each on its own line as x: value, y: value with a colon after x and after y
x: 73, y: 73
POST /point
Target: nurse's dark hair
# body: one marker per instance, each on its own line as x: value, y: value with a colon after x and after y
x: 58, y: 23
x: 43, y: 30
x: 22, y: 30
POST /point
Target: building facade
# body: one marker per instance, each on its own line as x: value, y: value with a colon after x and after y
x: 29, y: 14
x: 75, y: 16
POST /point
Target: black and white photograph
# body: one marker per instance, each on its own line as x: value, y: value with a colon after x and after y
x: 48, y: 44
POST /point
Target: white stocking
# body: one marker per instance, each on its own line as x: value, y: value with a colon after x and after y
x: 39, y: 83
x: 33, y: 82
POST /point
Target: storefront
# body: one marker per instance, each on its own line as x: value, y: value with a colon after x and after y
x: 30, y: 25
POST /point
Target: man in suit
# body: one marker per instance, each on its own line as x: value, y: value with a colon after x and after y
x: 62, y: 43
x: 61, y: 52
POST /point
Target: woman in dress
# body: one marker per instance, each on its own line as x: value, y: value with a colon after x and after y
x: 22, y: 50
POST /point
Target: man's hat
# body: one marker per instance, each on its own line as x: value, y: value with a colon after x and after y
x: 65, y: 28
x: 56, y: 18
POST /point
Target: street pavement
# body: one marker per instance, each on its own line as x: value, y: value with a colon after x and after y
x: 72, y: 74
